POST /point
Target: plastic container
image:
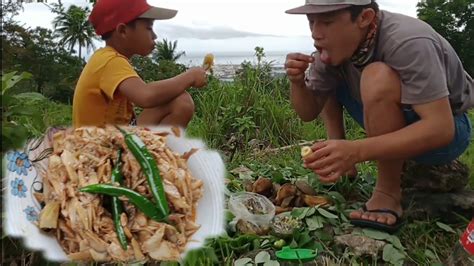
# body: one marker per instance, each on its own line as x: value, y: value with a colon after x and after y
x: 253, y: 208
x: 283, y: 225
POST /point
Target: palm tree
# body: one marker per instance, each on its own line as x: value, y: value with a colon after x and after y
x: 166, y: 50
x: 72, y: 27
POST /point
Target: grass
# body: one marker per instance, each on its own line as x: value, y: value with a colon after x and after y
x: 252, y: 112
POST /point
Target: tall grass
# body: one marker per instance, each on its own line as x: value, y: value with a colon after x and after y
x: 246, y: 111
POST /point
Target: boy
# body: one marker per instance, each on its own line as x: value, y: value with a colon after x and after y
x: 398, y: 79
x: 109, y: 85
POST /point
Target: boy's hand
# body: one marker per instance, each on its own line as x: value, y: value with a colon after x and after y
x: 295, y: 65
x: 197, y: 76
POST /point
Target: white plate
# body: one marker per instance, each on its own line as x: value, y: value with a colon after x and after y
x: 22, y: 179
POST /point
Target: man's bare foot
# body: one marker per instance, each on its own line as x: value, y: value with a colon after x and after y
x: 380, y: 200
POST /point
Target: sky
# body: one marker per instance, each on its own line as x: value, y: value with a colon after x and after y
x: 224, y: 26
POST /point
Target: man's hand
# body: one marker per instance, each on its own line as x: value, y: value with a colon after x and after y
x: 332, y: 158
x: 295, y: 65
x: 197, y: 76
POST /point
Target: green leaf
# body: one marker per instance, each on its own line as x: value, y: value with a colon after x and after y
x: 271, y: 263
x: 229, y: 216
x: 278, y: 177
x: 23, y: 110
x: 293, y: 244
x: 13, y: 136
x: 262, y: 257
x: 323, y: 235
x: 310, y: 212
x: 299, y: 213
x: 6, y: 81
x: 344, y: 218
x: 326, y: 214
x: 392, y: 255
x: 32, y: 96
x: 10, y: 79
x: 304, y: 239
x: 243, y: 262
x: 314, y: 222
x: 429, y: 254
x: 265, y: 242
x: 336, y: 196
x: 374, y: 234
x: 445, y: 227
x: 396, y: 242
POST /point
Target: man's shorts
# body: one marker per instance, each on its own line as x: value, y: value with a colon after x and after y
x: 441, y: 155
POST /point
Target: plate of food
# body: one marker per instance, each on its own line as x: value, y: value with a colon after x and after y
x: 107, y: 194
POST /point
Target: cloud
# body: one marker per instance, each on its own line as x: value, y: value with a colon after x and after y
x: 204, y: 33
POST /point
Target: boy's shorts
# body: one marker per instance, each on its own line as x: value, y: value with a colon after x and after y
x: 441, y: 155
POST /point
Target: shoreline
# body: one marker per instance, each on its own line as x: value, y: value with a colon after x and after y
x: 226, y: 72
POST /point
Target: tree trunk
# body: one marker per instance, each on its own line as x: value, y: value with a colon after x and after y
x: 80, y: 51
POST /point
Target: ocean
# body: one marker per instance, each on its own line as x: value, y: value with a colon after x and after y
x: 226, y: 63
x: 233, y: 58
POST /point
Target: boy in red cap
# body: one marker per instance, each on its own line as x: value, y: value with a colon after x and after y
x: 108, y: 84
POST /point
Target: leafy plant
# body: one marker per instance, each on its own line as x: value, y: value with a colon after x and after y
x: 166, y: 50
x: 262, y: 258
x: 394, y: 252
x: 14, y: 133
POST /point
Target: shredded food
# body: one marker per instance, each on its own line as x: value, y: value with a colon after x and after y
x: 82, y: 222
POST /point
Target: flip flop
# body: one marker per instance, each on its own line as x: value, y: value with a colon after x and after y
x: 377, y: 225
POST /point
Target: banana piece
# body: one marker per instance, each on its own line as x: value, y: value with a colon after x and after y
x: 208, y: 61
x: 305, y: 151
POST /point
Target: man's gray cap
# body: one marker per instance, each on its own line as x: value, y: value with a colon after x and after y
x: 323, y: 6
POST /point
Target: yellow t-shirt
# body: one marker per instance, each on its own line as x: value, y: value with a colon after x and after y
x: 95, y: 102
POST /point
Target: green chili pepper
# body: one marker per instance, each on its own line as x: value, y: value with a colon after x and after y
x: 142, y: 203
x: 149, y: 168
x: 117, y: 208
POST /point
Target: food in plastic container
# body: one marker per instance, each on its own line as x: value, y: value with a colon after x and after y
x: 283, y: 224
x: 253, y: 212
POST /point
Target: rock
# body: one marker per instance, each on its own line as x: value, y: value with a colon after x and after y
x: 421, y: 204
x: 435, y: 178
x: 361, y: 245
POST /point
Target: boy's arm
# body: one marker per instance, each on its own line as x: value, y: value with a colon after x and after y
x: 434, y: 129
x: 163, y: 91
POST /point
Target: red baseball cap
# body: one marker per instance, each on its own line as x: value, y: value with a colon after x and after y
x: 107, y: 14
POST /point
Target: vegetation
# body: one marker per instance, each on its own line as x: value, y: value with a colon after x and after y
x: 244, y: 119
x: 166, y: 50
x: 454, y: 20
x: 73, y: 28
